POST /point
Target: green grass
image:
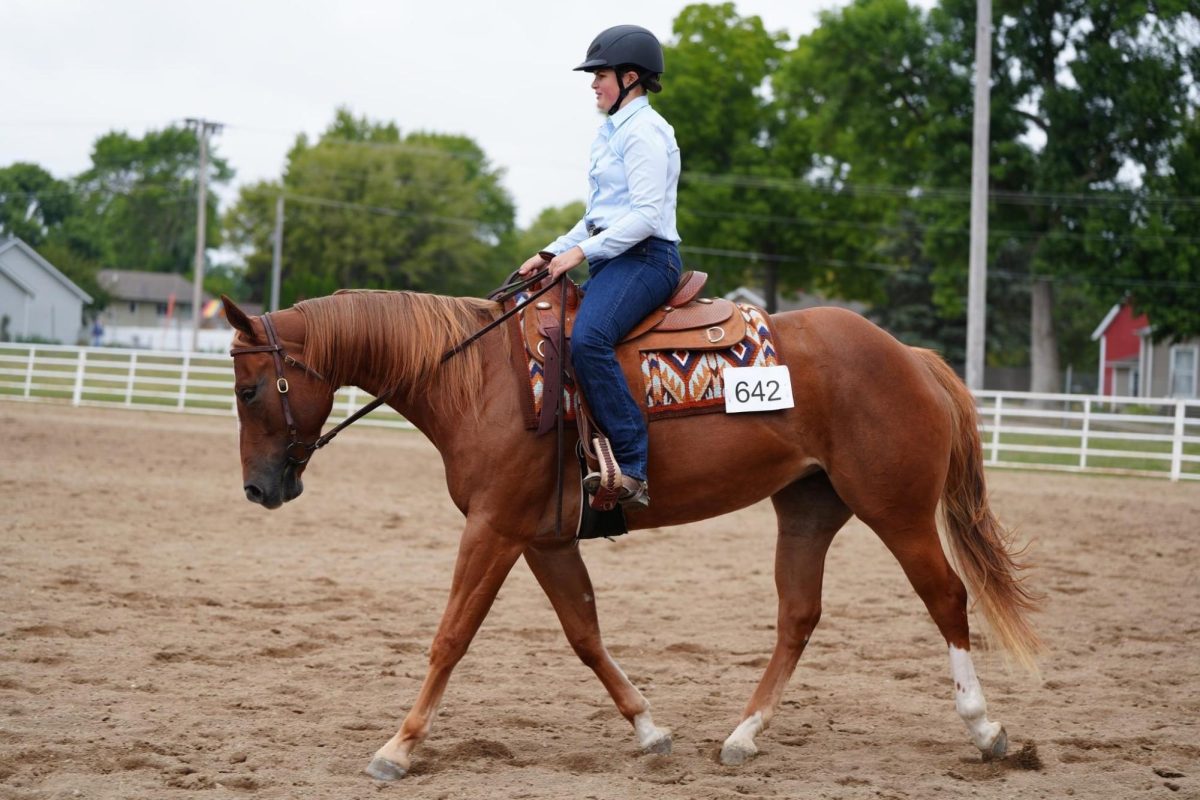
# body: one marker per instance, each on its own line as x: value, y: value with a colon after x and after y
x: 1135, y: 461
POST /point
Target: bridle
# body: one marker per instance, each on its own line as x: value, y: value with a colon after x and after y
x: 281, y: 358
x: 298, y: 452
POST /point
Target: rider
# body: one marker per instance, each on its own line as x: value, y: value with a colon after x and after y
x: 627, y: 235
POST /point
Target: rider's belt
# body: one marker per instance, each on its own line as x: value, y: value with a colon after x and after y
x: 595, y: 231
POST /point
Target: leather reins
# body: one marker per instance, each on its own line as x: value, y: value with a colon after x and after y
x: 511, y: 288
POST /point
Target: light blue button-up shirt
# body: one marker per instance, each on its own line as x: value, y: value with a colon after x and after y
x: 633, y: 182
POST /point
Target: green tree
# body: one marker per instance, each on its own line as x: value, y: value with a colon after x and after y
x: 138, y: 201
x: 884, y: 94
x: 1085, y: 94
x: 1162, y: 264
x: 32, y: 202
x: 367, y: 207
x: 717, y: 68
x: 546, y: 227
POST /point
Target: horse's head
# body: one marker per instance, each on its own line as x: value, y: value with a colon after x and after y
x: 281, y: 405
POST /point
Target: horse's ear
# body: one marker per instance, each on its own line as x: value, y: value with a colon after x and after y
x: 236, y: 317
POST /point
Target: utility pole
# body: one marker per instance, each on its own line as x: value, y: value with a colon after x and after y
x: 277, y: 254
x: 977, y: 281
x: 203, y: 128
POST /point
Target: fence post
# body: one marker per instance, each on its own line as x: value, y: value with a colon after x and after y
x: 183, y: 379
x: 1177, y: 442
x: 81, y: 365
x: 29, y: 372
x: 130, y: 379
x: 351, y: 401
x: 995, y: 459
x: 1087, y: 427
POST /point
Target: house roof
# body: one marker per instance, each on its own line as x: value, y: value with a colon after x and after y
x: 22, y: 285
x: 1104, y: 323
x: 13, y: 243
x: 152, y: 287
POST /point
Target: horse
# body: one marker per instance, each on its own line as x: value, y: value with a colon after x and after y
x: 878, y: 430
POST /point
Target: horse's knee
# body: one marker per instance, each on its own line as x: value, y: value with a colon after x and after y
x: 796, y: 623
x: 590, y: 650
x: 447, y: 649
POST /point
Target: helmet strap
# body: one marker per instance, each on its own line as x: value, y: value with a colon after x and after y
x: 625, y: 90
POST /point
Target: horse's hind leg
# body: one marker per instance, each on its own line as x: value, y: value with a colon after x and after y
x: 560, y: 570
x: 916, y: 546
x: 810, y: 513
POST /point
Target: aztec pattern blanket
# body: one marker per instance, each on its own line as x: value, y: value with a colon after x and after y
x: 683, y: 382
x: 677, y: 383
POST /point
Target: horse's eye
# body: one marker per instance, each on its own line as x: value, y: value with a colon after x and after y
x: 247, y: 394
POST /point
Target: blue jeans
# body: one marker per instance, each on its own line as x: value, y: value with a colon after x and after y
x: 619, y: 293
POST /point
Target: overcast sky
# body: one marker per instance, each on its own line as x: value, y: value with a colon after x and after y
x: 498, y: 71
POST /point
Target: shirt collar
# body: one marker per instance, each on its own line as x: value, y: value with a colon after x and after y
x: 628, y: 110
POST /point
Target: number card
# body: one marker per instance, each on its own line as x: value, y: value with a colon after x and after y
x: 757, y: 389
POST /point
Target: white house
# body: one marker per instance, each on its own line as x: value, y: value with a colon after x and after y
x: 36, y: 300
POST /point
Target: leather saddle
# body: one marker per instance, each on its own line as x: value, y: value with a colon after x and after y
x: 686, y: 322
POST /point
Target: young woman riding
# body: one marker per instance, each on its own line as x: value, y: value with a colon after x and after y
x: 627, y: 235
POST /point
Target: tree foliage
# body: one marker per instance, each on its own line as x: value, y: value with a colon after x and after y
x: 717, y: 67
x: 137, y: 201
x: 32, y: 202
x: 367, y: 207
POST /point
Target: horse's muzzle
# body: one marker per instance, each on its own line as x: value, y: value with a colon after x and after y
x: 272, y: 497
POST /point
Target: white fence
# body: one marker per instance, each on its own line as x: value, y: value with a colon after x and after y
x: 1121, y: 435
x: 198, y: 383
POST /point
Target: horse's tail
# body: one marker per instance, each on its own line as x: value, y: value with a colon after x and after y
x: 979, y: 544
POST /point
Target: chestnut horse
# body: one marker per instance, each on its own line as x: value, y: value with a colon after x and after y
x: 879, y: 430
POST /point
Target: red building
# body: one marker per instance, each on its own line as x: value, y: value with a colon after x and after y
x: 1131, y: 365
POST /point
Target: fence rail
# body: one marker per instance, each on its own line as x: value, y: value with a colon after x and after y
x: 197, y: 383
x: 1155, y: 437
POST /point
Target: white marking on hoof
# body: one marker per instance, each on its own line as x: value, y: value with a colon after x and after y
x: 383, y: 770
x: 999, y: 747
x: 988, y: 736
x: 651, y: 738
x: 740, y: 747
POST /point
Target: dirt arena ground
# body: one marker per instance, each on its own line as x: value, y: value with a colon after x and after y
x: 160, y: 637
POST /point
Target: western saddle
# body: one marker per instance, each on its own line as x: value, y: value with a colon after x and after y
x: 686, y: 322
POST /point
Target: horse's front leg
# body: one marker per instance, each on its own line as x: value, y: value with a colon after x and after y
x: 560, y: 570
x: 484, y: 560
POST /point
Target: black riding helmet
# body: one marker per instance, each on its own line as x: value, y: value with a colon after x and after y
x: 624, y: 47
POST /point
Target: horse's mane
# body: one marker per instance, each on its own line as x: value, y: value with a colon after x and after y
x: 399, y: 337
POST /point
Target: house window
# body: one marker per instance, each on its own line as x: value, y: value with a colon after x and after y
x: 161, y: 309
x: 132, y: 307
x: 1183, y: 371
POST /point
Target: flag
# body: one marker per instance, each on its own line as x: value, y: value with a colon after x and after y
x: 211, y: 308
x: 170, y: 305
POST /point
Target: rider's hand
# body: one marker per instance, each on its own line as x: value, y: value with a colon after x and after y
x: 565, y: 262
x: 535, y: 262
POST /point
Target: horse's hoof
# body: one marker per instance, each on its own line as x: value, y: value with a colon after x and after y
x: 736, y: 753
x: 660, y: 746
x: 383, y: 770
x: 998, y: 748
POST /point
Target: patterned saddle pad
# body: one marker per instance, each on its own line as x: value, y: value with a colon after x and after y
x: 675, y: 383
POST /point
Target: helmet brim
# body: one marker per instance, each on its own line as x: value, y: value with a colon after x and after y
x: 593, y: 65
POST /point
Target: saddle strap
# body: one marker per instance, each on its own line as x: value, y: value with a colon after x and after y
x: 552, y: 379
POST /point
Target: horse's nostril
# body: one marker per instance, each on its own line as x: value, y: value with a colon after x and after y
x: 253, y: 493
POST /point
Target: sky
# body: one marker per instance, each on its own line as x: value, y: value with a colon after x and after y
x: 498, y: 72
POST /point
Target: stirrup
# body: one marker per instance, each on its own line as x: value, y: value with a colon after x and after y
x: 634, y: 498
x: 630, y: 498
